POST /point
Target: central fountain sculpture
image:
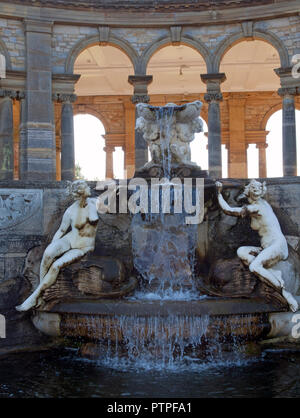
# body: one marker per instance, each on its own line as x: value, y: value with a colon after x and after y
x: 168, y: 131
x: 78, y: 290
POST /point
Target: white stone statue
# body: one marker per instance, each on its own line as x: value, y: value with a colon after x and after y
x: 74, y: 238
x: 273, y: 248
x: 171, y: 125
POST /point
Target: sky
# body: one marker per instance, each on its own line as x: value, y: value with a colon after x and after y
x: 89, y: 144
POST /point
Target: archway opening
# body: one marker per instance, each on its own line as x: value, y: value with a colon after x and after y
x: 103, y: 89
x: 104, y: 71
x: 274, y: 141
x: 176, y: 71
x: 249, y: 66
x: 90, y: 161
x: 248, y: 94
x: 199, y: 151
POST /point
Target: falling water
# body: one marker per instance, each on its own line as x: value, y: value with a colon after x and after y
x: 165, y: 342
x: 163, y: 253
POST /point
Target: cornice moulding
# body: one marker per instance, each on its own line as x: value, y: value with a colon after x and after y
x: 134, y: 18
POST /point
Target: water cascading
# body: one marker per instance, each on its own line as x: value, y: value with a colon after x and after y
x: 165, y: 322
x: 163, y: 245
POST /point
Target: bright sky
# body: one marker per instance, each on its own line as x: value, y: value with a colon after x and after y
x: 89, y: 144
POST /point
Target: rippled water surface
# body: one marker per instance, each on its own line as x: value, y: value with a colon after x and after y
x: 64, y: 374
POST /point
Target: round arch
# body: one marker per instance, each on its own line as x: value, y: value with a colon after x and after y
x: 236, y: 38
x: 113, y: 41
x: 271, y: 112
x: 185, y: 40
x: 90, y: 111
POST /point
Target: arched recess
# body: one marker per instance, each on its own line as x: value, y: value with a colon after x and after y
x: 5, y: 53
x: 88, y: 110
x: 89, y: 144
x: 167, y: 41
x: 176, y: 73
x: 234, y: 39
x: 83, y: 44
x: 274, y: 141
x: 273, y: 110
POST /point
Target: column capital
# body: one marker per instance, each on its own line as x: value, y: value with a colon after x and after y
x: 213, y: 97
x: 287, y: 81
x: 262, y: 145
x: 216, y: 78
x: 109, y: 149
x: 288, y: 91
x: 12, y: 94
x: 64, y: 97
x: 140, y: 84
x: 135, y: 80
x: 213, y: 82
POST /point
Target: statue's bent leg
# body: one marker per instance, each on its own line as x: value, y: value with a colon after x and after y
x: 269, y: 256
x: 248, y: 254
x: 68, y: 258
x: 54, y: 250
x: 293, y: 304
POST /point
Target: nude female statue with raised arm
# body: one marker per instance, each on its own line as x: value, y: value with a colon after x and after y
x: 74, y: 238
x: 273, y: 248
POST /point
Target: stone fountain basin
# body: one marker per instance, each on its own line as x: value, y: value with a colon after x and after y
x: 95, y: 320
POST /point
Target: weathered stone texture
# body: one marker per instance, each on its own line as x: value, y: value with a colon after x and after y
x: 64, y: 39
x: 12, y: 34
x: 140, y: 38
x: 286, y: 29
x: 212, y: 36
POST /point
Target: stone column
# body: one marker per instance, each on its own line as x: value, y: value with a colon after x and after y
x: 140, y: 95
x: 67, y: 136
x: 289, y: 140
x: 109, y: 161
x: 129, y: 139
x: 262, y: 159
x: 213, y: 97
x: 38, y: 142
x: 290, y: 87
x: 6, y: 135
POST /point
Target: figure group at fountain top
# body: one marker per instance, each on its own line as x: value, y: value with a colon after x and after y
x: 169, y: 130
x: 273, y: 248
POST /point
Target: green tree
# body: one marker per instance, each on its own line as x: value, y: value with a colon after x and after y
x: 78, y: 173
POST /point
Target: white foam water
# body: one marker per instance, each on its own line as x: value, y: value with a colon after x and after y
x: 167, y: 343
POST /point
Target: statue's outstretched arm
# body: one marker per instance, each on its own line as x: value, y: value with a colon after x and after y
x: 93, y: 213
x: 64, y: 226
x: 226, y: 208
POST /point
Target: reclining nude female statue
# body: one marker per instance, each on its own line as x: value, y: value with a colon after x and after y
x: 273, y: 248
x: 74, y: 238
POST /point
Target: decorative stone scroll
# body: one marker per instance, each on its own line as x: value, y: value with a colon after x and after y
x: 18, y: 205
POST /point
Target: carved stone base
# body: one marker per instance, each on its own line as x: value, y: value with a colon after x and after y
x: 90, y: 279
x: 230, y: 278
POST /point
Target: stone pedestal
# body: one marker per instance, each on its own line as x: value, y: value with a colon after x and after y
x: 6, y: 136
x: 213, y: 98
x: 140, y: 84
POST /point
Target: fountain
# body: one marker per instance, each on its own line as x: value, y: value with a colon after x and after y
x: 177, y: 291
